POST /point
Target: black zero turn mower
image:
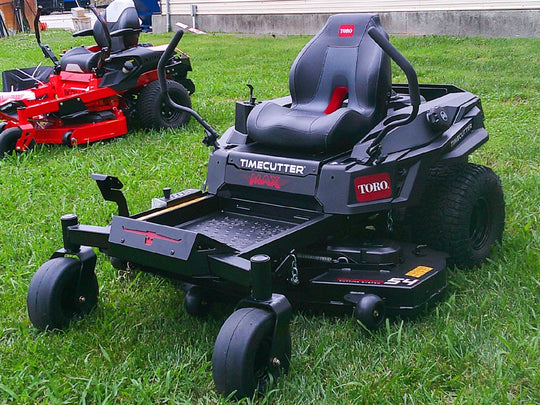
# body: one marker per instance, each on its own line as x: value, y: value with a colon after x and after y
x: 352, y: 193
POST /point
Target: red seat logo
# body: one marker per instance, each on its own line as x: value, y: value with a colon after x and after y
x: 374, y: 187
x: 346, y: 30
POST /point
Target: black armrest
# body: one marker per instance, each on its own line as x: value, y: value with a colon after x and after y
x: 84, y: 33
x: 124, y: 31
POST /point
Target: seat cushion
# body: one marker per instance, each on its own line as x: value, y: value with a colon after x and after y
x: 79, y: 60
x: 284, y: 127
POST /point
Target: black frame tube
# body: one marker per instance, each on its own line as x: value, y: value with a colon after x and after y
x: 168, y: 54
x: 412, y: 81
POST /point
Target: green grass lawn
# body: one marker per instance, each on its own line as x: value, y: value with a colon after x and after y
x: 479, y: 345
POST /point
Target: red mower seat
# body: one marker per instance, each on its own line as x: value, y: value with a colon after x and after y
x: 340, y: 62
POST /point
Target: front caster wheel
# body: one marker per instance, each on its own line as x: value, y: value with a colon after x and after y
x: 370, y: 311
x: 241, y: 363
x: 8, y: 140
x: 117, y: 263
x: 60, y: 292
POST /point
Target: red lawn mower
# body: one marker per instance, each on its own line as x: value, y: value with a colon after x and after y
x: 94, y: 93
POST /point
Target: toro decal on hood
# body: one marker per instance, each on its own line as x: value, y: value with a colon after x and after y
x: 373, y: 187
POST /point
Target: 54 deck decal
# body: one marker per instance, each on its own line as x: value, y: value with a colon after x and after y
x: 401, y: 281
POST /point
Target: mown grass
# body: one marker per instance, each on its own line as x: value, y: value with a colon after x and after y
x: 480, y: 344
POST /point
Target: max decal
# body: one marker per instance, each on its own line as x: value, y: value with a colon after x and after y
x: 267, y: 180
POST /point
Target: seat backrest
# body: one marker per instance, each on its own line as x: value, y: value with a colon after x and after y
x: 120, y: 14
x: 342, y: 60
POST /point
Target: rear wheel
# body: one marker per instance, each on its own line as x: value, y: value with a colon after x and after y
x: 8, y: 140
x: 241, y: 362
x: 463, y: 214
x: 60, y: 292
x: 154, y: 112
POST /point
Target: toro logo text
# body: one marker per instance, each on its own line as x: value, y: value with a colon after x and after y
x: 373, y: 187
x: 346, y: 30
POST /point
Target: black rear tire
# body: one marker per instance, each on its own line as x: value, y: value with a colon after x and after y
x: 154, y: 112
x: 8, y: 140
x: 462, y: 214
x: 241, y: 361
x: 60, y: 293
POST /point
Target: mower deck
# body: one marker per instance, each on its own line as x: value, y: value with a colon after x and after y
x: 196, y: 236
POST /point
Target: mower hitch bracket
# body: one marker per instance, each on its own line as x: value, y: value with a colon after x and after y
x: 110, y: 188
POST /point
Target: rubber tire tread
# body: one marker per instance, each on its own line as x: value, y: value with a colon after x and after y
x: 149, y: 105
x: 8, y: 140
x: 443, y: 218
x: 235, y: 350
x: 44, y: 300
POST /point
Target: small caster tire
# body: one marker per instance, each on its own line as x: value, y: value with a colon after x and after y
x: 8, y: 140
x: 195, y: 302
x: 117, y: 263
x: 59, y: 293
x: 370, y: 311
x: 241, y: 363
x: 66, y: 139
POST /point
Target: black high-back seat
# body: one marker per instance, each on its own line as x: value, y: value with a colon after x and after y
x: 341, y: 62
x: 119, y: 15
